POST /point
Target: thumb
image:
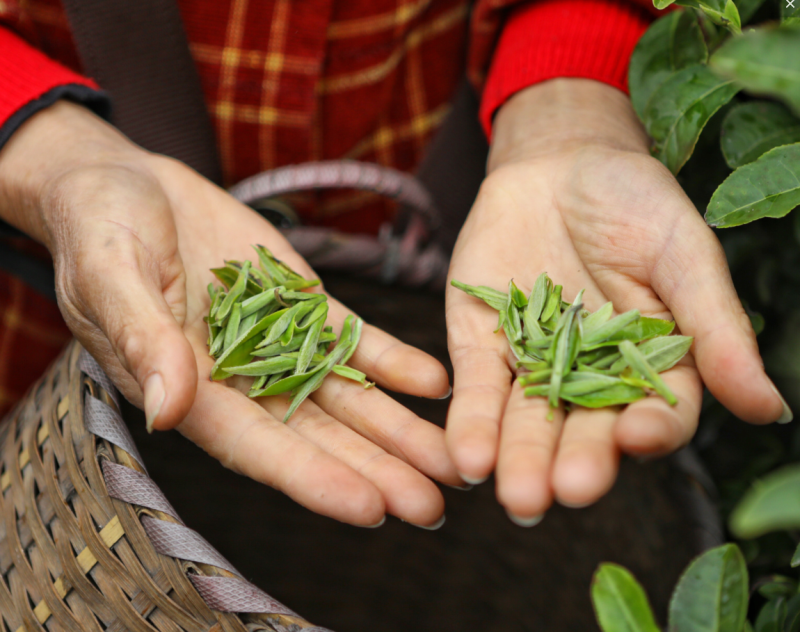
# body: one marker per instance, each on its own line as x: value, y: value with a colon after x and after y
x: 693, y: 280
x: 128, y: 309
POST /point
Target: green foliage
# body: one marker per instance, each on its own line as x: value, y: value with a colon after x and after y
x: 711, y: 595
x: 763, y: 61
x: 771, y: 504
x: 620, y: 602
x: 670, y: 44
x: 752, y: 129
x: 676, y: 89
x: 768, y: 187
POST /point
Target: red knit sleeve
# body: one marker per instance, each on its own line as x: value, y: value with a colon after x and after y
x: 546, y: 39
x: 29, y: 80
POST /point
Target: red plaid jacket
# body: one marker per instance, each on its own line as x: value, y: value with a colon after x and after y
x: 288, y: 81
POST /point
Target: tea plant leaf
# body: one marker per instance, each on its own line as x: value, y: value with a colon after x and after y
x: 611, y: 396
x: 747, y: 9
x: 772, y: 616
x: 595, y: 319
x: 796, y: 557
x: 620, y: 602
x: 771, y: 504
x: 792, y: 621
x: 679, y: 109
x: 768, y: 187
x: 671, y: 43
x: 763, y: 61
x: 753, y: 128
x: 493, y: 298
x: 711, y: 595
x: 661, y: 353
x: 777, y: 586
x: 722, y: 12
x: 639, y: 364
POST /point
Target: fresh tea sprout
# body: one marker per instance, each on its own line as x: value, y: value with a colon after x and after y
x: 261, y: 325
x: 583, y: 358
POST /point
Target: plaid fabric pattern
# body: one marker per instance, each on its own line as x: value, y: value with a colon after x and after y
x: 288, y: 81
x: 285, y: 81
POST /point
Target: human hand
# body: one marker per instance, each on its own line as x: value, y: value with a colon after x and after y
x: 133, y: 236
x: 571, y: 190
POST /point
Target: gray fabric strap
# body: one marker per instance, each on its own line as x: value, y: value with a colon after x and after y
x: 176, y: 540
x: 134, y: 488
x: 233, y: 594
x: 105, y: 422
x: 89, y: 365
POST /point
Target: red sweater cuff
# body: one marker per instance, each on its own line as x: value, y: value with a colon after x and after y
x: 28, y: 74
x: 546, y: 39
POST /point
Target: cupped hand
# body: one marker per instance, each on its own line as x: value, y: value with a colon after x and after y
x: 133, y: 237
x: 572, y: 191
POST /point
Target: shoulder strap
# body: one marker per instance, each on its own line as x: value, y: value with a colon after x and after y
x: 138, y: 51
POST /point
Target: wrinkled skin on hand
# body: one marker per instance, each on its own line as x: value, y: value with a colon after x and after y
x: 133, y: 236
x: 572, y: 191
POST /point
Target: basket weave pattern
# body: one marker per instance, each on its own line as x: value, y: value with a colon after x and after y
x: 88, y: 541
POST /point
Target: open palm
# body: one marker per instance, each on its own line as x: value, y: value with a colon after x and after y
x: 616, y: 223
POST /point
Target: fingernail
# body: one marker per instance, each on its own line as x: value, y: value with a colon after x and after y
x: 473, y: 481
x: 570, y: 505
x: 447, y: 394
x: 461, y: 488
x: 786, y: 415
x: 433, y: 527
x: 376, y: 525
x: 153, y: 398
x: 524, y: 522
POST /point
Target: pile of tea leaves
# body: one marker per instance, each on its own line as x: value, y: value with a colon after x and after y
x: 262, y: 325
x: 585, y: 358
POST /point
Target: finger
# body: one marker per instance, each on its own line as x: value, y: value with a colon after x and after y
x: 390, y: 425
x: 120, y: 289
x: 652, y: 426
x: 482, y: 383
x: 588, y: 459
x: 393, y: 364
x: 528, y: 441
x: 693, y: 280
x: 407, y: 494
x: 245, y: 438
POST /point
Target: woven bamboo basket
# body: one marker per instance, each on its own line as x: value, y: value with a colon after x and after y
x: 78, y: 552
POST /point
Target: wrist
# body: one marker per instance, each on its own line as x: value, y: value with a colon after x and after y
x: 62, y: 139
x: 561, y: 115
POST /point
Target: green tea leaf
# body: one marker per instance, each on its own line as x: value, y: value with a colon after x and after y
x: 792, y: 621
x: 239, y: 352
x: 539, y: 294
x: 352, y: 374
x: 610, y: 328
x: 566, y: 343
x: 672, y: 42
x: 638, y: 363
x: 274, y: 365
x: 620, y: 602
x: 228, y: 276
x: 679, y: 109
x: 235, y: 292
x: 612, y: 396
x: 796, y: 557
x: 232, y: 328
x: 493, y: 298
x: 711, y: 595
x: 772, y: 616
x: 661, y: 353
x: 553, y: 305
x: 721, y: 12
x: 317, y: 377
x: 771, y: 504
x: 753, y: 128
x: 768, y: 187
x: 595, y: 319
x: 535, y: 377
x: 777, y: 586
x: 763, y: 61
x: 309, y: 345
